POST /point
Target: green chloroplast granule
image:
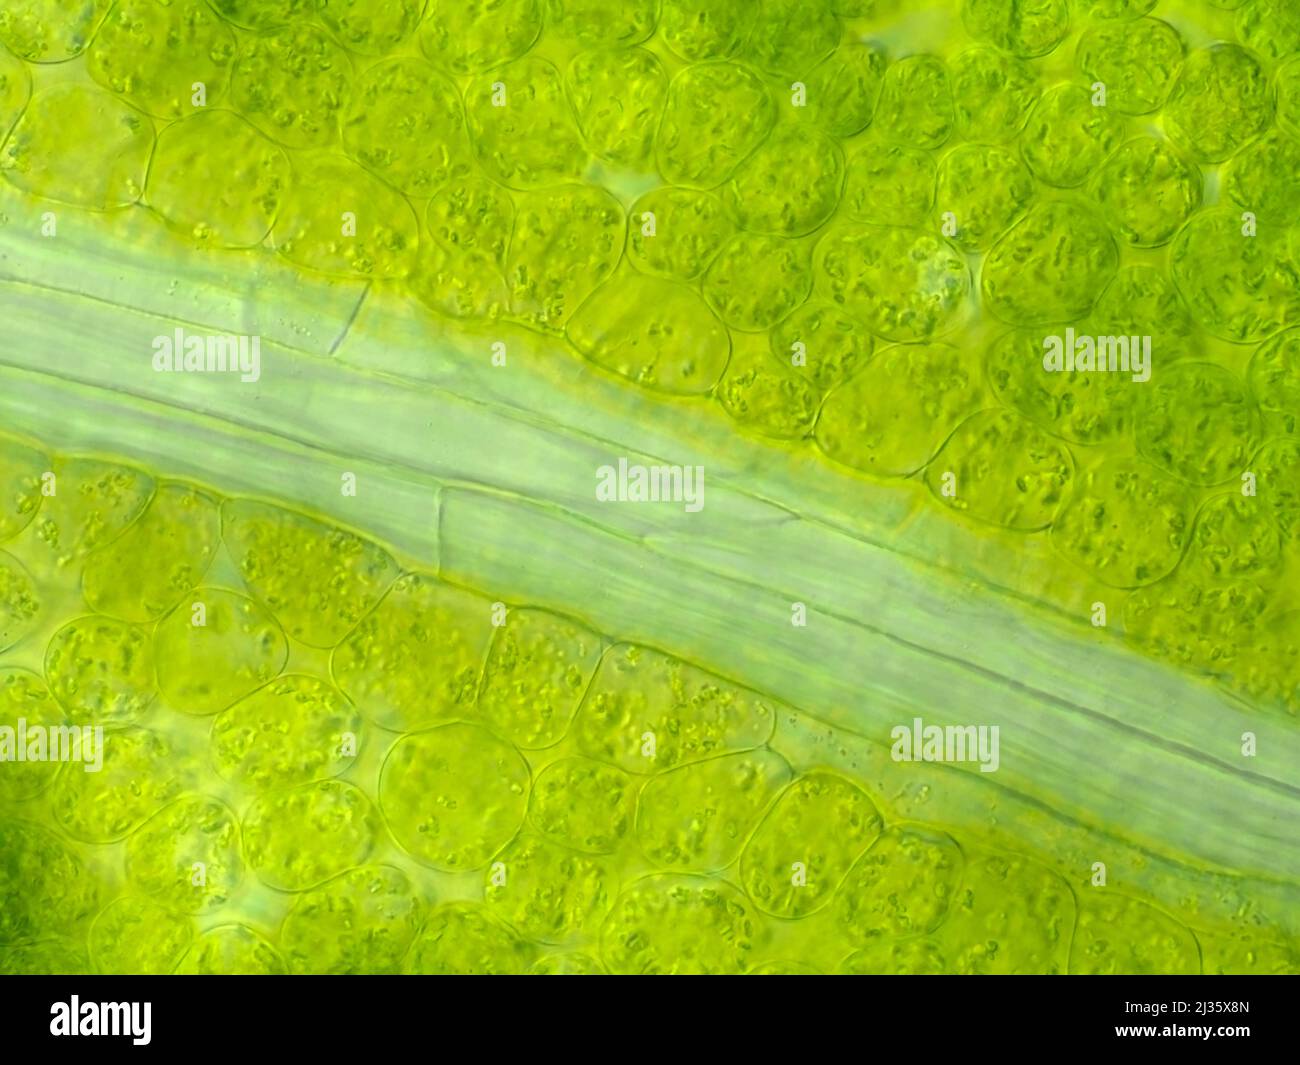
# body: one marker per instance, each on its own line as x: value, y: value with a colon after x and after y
x: 650, y: 486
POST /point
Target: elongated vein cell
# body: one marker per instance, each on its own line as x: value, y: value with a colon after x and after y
x: 1011, y: 294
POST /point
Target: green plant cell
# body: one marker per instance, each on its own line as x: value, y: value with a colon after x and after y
x: 548, y: 893
x: 228, y: 198
x: 791, y: 185
x: 790, y: 37
x: 293, y: 85
x: 805, y: 846
x: 985, y: 188
x: 1196, y: 421
x: 586, y: 804
x: 1234, y: 538
x: 231, y: 950
x: 166, y: 57
x: 1027, y: 30
x: 992, y: 93
x: 299, y: 838
x: 916, y: 103
x: 902, y: 886
x: 262, y: 15
x: 1238, y: 286
x: 1147, y: 191
x: 1115, y: 934
x: 1274, y: 379
x: 1011, y: 915
x: 1142, y: 300
x: 340, y: 220
x: 871, y: 422
x: 905, y: 284
x: 1218, y: 103
x: 43, y: 881
x: 134, y: 934
x: 370, y: 29
x: 216, y: 648
x: 1264, y: 177
x: 617, y: 96
x: 187, y: 856
x: 684, y: 925
x: 765, y: 395
x: 521, y: 126
x: 1135, y: 61
x: 79, y: 145
x: 676, y: 232
x: 1125, y: 522
x: 454, y: 795
x: 294, y: 730
x: 716, y: 115
x: 843, y: 89
x: 655, y: 332
x: 592, y: 22
x: 406, y: 124
x: 23, y: 470
x: 416, y: 658
x: 20, y: 601
x: 318, y: 581
x: 25, y: 698
x: 889, y: 184
x: 1081, y: 406
x: 50, y: 31
x: 536, y: 672
x: 470, y: 36
x: 467, y: 939
x: 823, y: 343
x: 647, y: 712
x: 138, y: 776
x: 1068, y: 136
x: 697, y: 817
x: 566, y: 241
x: 1269, y: 27
x: 170, y: 546
x: 1004, y: 471
x: 101, y: 670
x: 89, y: 503
x: 361, y: 922
x: 757, y: 280
x: 696, y: 30
x: 1050, y: 266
